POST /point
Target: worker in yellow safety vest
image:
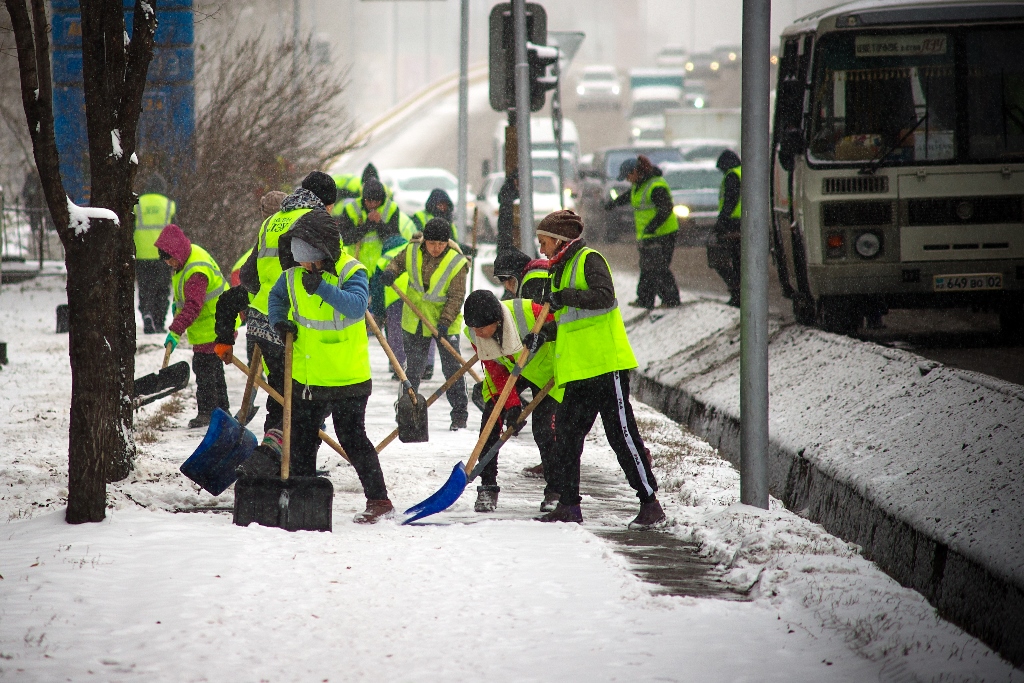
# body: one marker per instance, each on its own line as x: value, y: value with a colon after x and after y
x: 153, y: 212
x: 320, y: 300
x: 367, y: 224
x: 197, y: 283
x: 437, y: 288
x: 592, y: 363
x: 724, y: 249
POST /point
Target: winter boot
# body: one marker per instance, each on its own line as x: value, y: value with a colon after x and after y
x: 564, y: 513
x: 199, y: 421
x: 550, y: 501
x: 535, y: 472
x: 457, y: 424
x: 147, y: 325
x: 428, y: 372
x: 375, y: 511
x: 651, y: 516
x: 486, y: 498
x: 264, y: 462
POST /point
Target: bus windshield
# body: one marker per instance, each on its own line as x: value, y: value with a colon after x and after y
x: 892, y: 98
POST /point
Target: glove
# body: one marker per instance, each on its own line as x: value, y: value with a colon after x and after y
x: 511, y: 416
x: 533, y: 342
x: 172, y: 339
x: 224, y: 351
x: 387, y: 278
x: 286, y: 327
x: 553, y: 298
x: 442, y: 329
x: 311, y: 280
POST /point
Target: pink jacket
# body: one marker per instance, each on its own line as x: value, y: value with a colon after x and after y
x: 174, y: 242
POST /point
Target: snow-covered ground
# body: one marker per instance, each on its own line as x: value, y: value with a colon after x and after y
x: 152, y: 594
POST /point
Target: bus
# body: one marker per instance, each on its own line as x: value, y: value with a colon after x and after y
x: 898, y: 161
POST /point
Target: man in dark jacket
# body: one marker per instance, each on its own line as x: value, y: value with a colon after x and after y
x: 724, y: 250
x: 439, y: 205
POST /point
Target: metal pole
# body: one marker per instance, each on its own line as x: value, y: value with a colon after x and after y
x: 556, y: 124
x: 754, y: 255
x: 522, y: 74
x: 463, y: 160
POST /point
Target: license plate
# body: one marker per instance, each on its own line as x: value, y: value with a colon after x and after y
x: 970, y: 282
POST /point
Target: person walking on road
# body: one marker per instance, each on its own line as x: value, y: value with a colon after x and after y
x: 262, y: 271
x: 499, y: 331
x: 656, y: 231
x: 153, y: 213
x: 320, y: 300
x: 592, y: 363
x: 724, y: 249
x: 197, y: 283
x: 437, y: 288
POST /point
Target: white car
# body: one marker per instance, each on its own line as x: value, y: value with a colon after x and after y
x: 412, y: 186
x: 671, y: 56
x: 647, y: 113
x: 545, y: 200
x: 598, y: 86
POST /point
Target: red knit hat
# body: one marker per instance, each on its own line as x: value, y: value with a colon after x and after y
x: 563, y: 225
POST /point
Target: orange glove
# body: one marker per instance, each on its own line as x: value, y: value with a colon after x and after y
x: 224, y: 351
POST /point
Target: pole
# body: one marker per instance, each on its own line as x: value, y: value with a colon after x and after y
x: 463, y: 161
x: 522, y: 80
x: 754, y: 147
x: 556, y: 124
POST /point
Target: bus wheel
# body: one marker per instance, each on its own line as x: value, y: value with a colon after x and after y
x: 1011, y: 321
x: 839, y: 314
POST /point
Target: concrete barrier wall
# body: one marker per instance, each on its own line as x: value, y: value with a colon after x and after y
x: 920, y: 464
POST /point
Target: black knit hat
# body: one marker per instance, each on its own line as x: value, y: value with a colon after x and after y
x: 373, y: 191
x: 322, y: 185
x: 510, y: 262
x: 437, y: 230
x: 482, y: 308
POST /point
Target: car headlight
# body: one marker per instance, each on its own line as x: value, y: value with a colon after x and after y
x: 636, y: 132
x: 714, y: 66
x: 689, y: 66
x: 580, y: 90
x: 699, y: 103
x: 681, y: 210
x: 868, y: 244
x: 732, y: 56
x: 613, y: 193
x: 615, y: 90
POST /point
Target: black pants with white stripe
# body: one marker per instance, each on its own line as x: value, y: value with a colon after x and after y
x: 607, y: 395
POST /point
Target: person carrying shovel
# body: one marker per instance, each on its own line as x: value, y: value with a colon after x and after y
x: 499, y: 331
x: 320, y: 300
x: 437, y: 288
x: 197, y: 283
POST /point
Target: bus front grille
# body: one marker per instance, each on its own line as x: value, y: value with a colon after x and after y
x: 876, y: 184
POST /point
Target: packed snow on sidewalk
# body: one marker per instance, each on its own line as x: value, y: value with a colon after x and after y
x: 155, y: 593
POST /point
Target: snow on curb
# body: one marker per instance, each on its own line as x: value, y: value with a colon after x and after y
x: 917, y: 463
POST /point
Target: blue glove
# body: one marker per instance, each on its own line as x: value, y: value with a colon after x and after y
x: 172, y: 339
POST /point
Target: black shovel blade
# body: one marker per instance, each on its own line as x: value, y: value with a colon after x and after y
x: 293, y: 504
x: 173, y: 377
x: 412, y: 419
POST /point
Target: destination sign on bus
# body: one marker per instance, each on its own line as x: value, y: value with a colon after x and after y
x: 916, y: 45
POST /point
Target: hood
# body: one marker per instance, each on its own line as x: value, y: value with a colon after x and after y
x: 511, y: 344
x: 370, y: 171
x: 301, y: 199
x: 510, y: 263
x: 316, y: 228
x: 537, y: 264
x: 439, y: 196
x: 726, y: 160
x: 173, y: 241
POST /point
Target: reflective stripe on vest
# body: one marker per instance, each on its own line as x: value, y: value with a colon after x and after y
x: 437, y: 293
x: 268, y: 266
x: 737, y: 211
x: 644, y: 209
x: 338, y: 322
x: 202, y: 330
x: 573, y: 314
x: 153, y: 212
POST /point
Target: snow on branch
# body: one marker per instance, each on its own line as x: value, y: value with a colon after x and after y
x: 115, y: 143
x: 80, y: 216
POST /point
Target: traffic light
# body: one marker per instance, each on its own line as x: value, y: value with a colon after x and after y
x: 540, y: 57
x: 502, y: 54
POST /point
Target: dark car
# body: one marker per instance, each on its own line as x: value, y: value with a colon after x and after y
x: 600, y: 182
x: 694, y: 188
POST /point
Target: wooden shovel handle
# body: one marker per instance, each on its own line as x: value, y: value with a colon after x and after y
x: 262, y: 384
x: 286, y: 450
x: 511, y: 429
x: 254, y: 369
x: 167, y: 355
x: 391, y: 354
x: 434, y: 396
x: 433, y: 330
x: 509, y: 385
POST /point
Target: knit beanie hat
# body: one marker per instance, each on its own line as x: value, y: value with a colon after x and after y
x: 322, y: 185
x: 437, y: 230
x: 482, y: 308
x: 563, y: 225
x: 304, y: 252
x: 270, y: 203
x: 510, y: 263
x: 373, y: 191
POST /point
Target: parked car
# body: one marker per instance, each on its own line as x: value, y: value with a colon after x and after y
x: 704, y: 149
x: 694, y: 188
x: 598, y: 85
x: 545, y: 200
x: 600, y: 179
x: 412, y: 186
x: 702, y: 65
x: 671, y: 56
x: 729, y: 56
x: 695, y: 94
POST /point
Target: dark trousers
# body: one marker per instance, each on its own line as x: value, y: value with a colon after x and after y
x: 211, y: 388
x: 724, y: 257
x: 584, y: 399
x: 273, y: 357
x: 349, y: 415
x: 416, y: 348
x: 543, y: 426
x: 656, y: 278
x: 154, y: 278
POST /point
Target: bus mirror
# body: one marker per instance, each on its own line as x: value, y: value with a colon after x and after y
x: 790, y: 145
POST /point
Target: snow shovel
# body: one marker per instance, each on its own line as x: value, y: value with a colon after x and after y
x: 290, y: 503
x: 410, y: 408
x: 433, y: 330
x: 433, y: 397
x: 457, y: 480
x: 157, y: 385
x: 227, y: 443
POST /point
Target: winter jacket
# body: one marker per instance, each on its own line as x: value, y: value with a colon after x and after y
x: 498, y: 373
x: 174, y: 242
x: 456, y: 290
x: 601, y: 289
x: 318, y: 229
x: 660, y: 197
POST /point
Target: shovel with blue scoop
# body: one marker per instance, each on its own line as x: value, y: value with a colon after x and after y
x: 446, y: 496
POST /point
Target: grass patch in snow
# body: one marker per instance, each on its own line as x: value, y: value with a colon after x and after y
x: 146, y: 428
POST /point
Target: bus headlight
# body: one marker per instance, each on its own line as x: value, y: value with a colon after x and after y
x: 681, y: 210
x: 868, y: 244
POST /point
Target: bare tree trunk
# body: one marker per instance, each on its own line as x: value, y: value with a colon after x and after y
x: 100, y: 257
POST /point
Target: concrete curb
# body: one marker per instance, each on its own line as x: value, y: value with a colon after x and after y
x: 917, y: 463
